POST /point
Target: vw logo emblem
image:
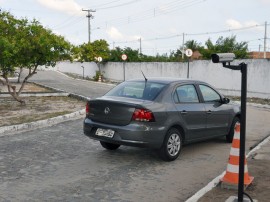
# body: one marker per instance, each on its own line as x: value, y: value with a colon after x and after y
x: 107, y: 110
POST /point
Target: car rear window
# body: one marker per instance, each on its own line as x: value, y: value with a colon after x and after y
x: 137, y: 89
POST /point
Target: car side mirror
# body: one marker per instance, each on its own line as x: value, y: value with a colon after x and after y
x: 225, y: 100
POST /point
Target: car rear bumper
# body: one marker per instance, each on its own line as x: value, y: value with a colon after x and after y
x: 135, y: 134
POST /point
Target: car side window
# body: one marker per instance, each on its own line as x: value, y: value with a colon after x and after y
x: 186, y: 94
x: 209, y: 94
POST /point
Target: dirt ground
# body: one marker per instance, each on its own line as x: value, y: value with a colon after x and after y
x: 259, y: 189
x: 36, y: 108
x: 29, y: 87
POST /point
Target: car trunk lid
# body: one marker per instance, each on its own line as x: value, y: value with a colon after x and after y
x: 113, y: 110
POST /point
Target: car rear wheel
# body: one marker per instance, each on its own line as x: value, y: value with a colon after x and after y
x: 109, y: 146
x: 229, y: 136
x: 172, y: 145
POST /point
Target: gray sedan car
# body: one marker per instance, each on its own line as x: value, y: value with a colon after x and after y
x: 160, y: 113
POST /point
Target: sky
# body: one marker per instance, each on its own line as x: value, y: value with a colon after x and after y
x: 161, y: 25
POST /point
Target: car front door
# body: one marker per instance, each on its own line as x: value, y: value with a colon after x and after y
x: 191, y: 111
x: 217, y: 113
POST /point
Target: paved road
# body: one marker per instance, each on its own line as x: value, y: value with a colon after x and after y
x: 60, y: 164
x: 57, y: 80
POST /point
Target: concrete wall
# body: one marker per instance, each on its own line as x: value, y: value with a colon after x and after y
x: 226, y: 80
x: 90, y: 68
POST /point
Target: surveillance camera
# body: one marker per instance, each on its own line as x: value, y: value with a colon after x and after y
x: 222, y: 57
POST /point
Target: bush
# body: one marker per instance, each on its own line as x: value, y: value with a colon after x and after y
x: 96, y: 77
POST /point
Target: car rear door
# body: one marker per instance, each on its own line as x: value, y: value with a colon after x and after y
x: 191, y: 111
x: 217, y: 113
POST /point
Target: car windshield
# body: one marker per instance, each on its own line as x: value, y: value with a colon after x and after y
x: 137, y: 89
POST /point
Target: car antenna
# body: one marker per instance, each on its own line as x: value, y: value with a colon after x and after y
x: 144, y: 76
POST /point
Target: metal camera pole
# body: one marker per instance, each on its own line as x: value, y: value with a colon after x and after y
x: 243, y: 68
x: 242, y: 130
x: 225, y: 59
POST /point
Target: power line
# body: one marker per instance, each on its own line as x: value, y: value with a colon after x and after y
x: 67, y: 20
x: 196, y: 34
x: 119, y: 5
x: 224, y: 31
x: 105, y: 4
x: 67, y: 24
x: 152, y: 13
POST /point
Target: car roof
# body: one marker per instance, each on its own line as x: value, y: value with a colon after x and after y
x: 167, y: 80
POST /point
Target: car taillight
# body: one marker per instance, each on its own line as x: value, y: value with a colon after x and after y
x: 143, y: 115
x: 87, y: 108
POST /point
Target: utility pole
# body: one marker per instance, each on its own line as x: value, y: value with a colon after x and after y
x: 140, y: 40
x: 183, y: 48
x: 265, y: 37
x: 89, y: 16
x: 259, y: 51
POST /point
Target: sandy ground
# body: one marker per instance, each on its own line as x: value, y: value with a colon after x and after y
x: 259, y: 168
x: 29, y: 87
x: 36, y: 108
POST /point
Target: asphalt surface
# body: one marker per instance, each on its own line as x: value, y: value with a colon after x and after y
x: 57, y: 80
x: 59, y: 163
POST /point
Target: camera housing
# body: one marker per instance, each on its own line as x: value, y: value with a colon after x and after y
x: 222, y: 57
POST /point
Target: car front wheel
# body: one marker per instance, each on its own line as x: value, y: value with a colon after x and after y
x: 172, y: 145
x: 109, y: 146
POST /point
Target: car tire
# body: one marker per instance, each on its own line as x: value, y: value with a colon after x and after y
x: 172, y: 145
x: 229, y: 136
x: 109, y: 146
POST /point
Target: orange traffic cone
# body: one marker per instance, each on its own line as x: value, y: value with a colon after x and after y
x: 99, y: 78
x: 230, y: 179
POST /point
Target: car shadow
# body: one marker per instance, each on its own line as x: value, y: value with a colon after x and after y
x: 128, y: 154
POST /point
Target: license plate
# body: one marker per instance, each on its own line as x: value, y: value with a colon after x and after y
x: 105, y: 132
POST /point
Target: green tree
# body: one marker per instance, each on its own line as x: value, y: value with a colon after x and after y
x: 132, y: 55
x: 226, y: 45
x: 193, y: 45
x: 176, y: 56
x: 27, y: 44
x: 115, y: 55
x: 88, y: 52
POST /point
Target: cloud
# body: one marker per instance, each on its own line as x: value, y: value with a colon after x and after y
x: 234, y: 24
x: 116, y: 35
x: 265, y: 1
x: 66, y: 6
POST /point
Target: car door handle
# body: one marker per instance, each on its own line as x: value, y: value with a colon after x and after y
x: 184, y: 112
x: 209, y: 112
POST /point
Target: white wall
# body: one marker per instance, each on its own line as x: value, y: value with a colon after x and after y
x: 228, y: 81
x: 90, y: 68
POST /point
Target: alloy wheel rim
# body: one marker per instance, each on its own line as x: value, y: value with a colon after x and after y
x: 174, y: 144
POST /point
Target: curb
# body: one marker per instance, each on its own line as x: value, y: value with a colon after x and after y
x: 42, y: 123
x: 102, y: 83
x: 74, y: 95
x: 50, y: 121
x: 216, y: 180
x: 254, y: 105
x: 4, y: 95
